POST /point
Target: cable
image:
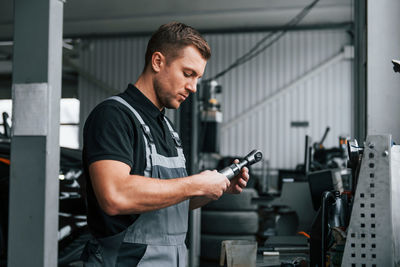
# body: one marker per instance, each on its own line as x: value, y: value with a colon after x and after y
x: 291, y: 23
x: 253, y: 52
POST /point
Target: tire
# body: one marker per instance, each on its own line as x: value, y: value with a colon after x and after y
x: 229, y: 222
x: 287, y: 222
x: 235, y: 202
x: 3, y: 241
x: 211, y: 244
x: 4, y: 195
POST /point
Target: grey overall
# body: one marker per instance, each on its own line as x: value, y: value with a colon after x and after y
x: 163, y: 231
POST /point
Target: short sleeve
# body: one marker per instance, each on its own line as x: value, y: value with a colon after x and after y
x: 109, y: 135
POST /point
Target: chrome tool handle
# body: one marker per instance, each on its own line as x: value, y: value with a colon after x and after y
x: 232, y: 170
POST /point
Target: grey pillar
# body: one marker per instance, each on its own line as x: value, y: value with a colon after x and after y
x: 360, y: 70
x: 34, y: 186
x: 189, y: 128
x: 195, y: 215
x: 383, y: 83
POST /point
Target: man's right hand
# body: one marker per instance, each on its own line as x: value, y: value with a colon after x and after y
x: 118, y: 192
x: 212, y: 184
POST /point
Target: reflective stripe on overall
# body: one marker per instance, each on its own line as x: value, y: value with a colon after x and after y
x: 162, y: 231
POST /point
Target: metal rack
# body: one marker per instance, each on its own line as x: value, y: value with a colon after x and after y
x: 373, y: 236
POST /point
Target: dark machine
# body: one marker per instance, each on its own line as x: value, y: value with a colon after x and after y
x: 333, y: 202
x: 328, y: 230
x: 316, y: 158
x: 329, y: 158
x: 199, y: 120
x: 210, y: 117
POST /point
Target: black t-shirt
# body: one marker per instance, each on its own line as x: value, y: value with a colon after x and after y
x: 112, y: 132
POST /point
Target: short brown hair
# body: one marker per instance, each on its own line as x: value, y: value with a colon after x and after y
x: 173, y: 36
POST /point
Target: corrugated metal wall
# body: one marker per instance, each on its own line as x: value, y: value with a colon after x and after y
x: 115, y: 62
x: 323, y: 98
x: 302, y: 77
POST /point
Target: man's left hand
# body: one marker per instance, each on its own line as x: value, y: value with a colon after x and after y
x: 239, y: 181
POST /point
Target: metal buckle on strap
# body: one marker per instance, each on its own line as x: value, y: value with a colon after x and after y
x: 147, y: 132
x: 177, y: 140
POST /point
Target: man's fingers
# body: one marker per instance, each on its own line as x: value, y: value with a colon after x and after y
x: 242, y: 183
x: 228, y: 183
x: 239, y: 189
x: 245, y: 174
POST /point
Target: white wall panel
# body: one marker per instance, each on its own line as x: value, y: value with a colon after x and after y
x: 115, y: 62
x: 323, y: 99
x: 382, y: 83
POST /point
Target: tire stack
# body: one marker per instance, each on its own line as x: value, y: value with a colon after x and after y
x: 232, y: 217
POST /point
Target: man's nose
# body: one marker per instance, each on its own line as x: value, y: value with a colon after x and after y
x: 192, y: 86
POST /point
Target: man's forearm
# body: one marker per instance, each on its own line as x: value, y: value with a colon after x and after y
x: 141, y: 194
x: 118, y: 192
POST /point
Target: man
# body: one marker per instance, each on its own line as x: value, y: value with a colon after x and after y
x: 138, y: 191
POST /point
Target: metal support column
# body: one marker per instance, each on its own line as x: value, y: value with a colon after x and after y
x: 195, y: 215
x: 382, y: 83
x: 189, y: 128
x: 35, y: 152
x: 360, y: 70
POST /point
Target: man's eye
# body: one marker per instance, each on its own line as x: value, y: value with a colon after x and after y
x: 186, y: 74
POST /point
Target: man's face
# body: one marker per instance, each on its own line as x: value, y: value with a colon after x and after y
x: 177, y: 78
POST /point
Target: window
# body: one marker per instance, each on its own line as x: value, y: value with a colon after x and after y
x: 69, y: 120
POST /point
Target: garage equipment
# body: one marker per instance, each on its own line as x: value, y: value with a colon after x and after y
x: 232, y: 170
x: 231, y: 217
x: 396, y: 65
x: 373, y: 235
x: 72, y: 228
x: 238, y: 253
x: 210, y: 117
x: 332, y: 218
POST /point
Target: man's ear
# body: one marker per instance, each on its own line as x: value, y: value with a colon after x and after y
x: 157, y: 61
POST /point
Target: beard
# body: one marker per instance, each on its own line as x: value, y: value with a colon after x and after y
x: 163, y: 97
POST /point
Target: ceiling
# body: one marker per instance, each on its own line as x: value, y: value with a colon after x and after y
x: 102, y: 17
x: 86, y: 18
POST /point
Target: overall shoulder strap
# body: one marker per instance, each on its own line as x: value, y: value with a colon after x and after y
x: 177, y: 140
x: 174, y: 134
x: 144, y: 126
x: 148, y: 138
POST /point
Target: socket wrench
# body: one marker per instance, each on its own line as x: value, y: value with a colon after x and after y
x: 232, y: 170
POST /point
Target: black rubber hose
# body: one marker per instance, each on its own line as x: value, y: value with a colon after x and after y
x: 325, y: 196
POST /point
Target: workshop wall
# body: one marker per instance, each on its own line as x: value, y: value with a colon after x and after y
x: 382, y: 83
x: 305, y: 76
x: 107, y: 67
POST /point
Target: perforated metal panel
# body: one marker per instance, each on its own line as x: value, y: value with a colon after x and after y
x: 370, y: 233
